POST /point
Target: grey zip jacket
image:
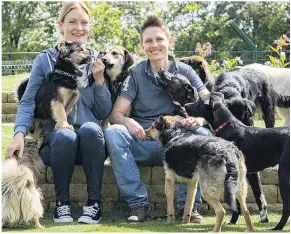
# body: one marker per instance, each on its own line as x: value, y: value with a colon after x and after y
x: 94, y: 103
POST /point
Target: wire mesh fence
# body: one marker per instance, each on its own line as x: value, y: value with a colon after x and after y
x: 15, y: 63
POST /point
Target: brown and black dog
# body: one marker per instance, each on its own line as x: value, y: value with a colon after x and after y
x: 201, y: 67
x: 56, y: 97
x: 217, y: 164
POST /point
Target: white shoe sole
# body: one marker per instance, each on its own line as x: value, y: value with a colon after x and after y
x: 64, y: 220
x: 88, y: 221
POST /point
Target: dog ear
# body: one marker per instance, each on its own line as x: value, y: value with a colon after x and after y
x: 250, y: 107
x: 191, y: 92
x: 63, y: 48
x: 160, y: 123
x: 128, y: 60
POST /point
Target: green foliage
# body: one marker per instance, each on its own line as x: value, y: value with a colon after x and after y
x: 280, y: 62
x: 31, y: 25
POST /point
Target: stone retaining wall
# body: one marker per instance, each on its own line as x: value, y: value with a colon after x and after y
x: 153, y: 178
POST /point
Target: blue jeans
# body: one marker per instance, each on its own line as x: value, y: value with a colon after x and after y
x: 66, y: 148
x: 126, y: 153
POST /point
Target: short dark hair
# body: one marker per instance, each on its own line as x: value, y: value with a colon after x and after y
x: 154, y: 21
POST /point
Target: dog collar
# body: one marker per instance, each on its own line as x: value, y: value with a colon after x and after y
x: 66, y: 74
x: 220, y: 127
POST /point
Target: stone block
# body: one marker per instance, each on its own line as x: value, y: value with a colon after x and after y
x: 108, y: 175
x: 270, y: 176
x: 4, y: 116
x: 4, y: 97
x: 270, y: 192
x: 145, y: 174
x: 9, y: 108
x: 158, y: 175
x: 12, y: 97
x: 10, y: 118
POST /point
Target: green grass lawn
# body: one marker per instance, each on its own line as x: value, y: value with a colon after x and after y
x: 117, y: 223
x: 10, y: 83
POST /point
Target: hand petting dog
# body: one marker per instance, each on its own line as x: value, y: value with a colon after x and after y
x: 17, y: 145
x: 193, y: 122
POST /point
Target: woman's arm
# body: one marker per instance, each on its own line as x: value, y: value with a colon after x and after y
x: 102, y: 97
x: 118, y: 116
x: 25, y: 112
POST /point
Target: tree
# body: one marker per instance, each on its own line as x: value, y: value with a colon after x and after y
x: 27, y: 24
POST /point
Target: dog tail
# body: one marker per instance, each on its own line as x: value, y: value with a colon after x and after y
x: 281, y: 100
x: 21, y: 89
x: 231, y: 184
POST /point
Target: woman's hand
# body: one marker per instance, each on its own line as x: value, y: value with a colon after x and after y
x: 135, y: 129
x: 98, y: 71
x: 16, y: 145
x: 193, y: 122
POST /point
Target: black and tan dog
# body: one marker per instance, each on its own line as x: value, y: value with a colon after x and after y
x: 201, y: 67
x: 21, y: 197
x: 117, y: 61
x: 217, y: 164
x: 179, y: 89
x: 263, y: 147
x: 55, y: 98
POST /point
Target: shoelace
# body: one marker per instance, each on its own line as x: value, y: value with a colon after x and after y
x: 90, y: 210
x: 64, y: 210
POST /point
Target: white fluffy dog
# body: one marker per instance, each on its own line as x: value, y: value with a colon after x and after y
x: 280, y: 80
x: 21, y: 199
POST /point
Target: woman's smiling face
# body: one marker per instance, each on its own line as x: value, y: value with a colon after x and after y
x: 155, y: 43
x: 75, y: 26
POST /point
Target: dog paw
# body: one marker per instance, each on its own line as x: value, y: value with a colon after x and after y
x: 39, y: 226
x: 170, y: 219
x: 186, y: 219
x: 64, y: 124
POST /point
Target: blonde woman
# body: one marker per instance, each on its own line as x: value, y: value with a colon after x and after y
x: 65, y: 148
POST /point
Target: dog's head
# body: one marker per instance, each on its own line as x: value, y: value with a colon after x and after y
x: 178, y: 87
x: 243, y: 109
x: 78, y: 54
x: 205, y: 106
x: 196, y: 62
x: 116, y: 60
x: 160, y: 125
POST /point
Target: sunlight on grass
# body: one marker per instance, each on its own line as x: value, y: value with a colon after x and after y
x: 10, y: 83
x: 152, y: 225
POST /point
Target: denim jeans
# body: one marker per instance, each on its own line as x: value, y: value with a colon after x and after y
x: 126, y: 153
x: 66, y: 148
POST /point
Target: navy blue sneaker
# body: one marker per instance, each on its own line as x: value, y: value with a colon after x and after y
x: 91, y: 214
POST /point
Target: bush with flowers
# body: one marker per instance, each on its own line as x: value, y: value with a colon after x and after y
x: 284, y: 41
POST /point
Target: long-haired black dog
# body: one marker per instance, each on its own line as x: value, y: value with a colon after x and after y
x: 55, y: 98
x: 245, y: 89
x: 263, y: 147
